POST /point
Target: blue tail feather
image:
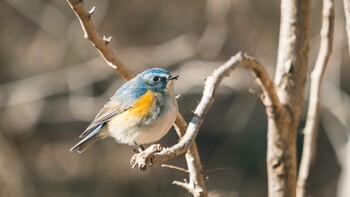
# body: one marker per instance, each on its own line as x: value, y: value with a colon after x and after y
x: 88, y: 140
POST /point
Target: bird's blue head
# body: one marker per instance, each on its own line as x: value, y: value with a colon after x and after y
x: 156, y: 79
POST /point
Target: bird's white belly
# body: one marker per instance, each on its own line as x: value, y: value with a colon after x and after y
x: 128, y: 130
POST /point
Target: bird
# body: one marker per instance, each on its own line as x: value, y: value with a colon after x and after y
x: 140, y: 112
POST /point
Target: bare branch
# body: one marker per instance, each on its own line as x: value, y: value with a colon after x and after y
x: 145, y: 157
x: 189, y: 187
x: 91, y: 34
x: 211, y: 84
x: 195, y: 169
x: 311, y: 127
x: 290, y: 77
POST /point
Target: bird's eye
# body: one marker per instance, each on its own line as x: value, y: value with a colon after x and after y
x: 155, y: 79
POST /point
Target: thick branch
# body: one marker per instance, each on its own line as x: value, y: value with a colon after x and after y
x: 290, y: 80
x: 195, y: 169
x: 311, y: 127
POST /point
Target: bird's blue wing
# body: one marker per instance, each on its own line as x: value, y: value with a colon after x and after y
x: 92, y: 133
x: 107, y: 112
x: 123, y: 99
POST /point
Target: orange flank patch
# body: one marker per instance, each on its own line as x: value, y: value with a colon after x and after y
x: 143, y: 105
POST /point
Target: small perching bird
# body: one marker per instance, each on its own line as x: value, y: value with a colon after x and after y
x: 141, y: 112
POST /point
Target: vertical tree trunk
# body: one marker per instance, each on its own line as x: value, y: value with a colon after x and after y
x: 290, y: 79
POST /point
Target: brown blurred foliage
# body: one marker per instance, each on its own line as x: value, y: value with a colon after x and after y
x: 53, y: 83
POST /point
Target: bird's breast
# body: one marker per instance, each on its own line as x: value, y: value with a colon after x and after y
x: 147, y: 121
x: 142, y: 106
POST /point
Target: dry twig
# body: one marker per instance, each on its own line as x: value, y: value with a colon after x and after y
x: 311, y: 127
x: 174, y: 167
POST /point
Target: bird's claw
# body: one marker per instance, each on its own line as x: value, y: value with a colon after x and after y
x: 145, y: 157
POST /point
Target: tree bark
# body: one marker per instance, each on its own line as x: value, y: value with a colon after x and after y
x: 290, y: 79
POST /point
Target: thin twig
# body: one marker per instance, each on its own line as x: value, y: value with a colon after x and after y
x: 174, y: 167
x: 311, y: 127
x: 183, y: 184
x: 217, y: 169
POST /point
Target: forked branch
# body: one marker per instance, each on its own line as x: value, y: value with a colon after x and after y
x: 211, y: 84
x: 270, y: 100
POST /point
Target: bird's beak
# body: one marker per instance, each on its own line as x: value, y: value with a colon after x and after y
x: 173, y: 77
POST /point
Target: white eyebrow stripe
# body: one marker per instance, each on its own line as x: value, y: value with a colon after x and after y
x: 163, y: 75
x: 160, y: 75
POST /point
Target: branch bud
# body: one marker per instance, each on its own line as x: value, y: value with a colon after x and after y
x: 91, y: 12
x: 107, y: 39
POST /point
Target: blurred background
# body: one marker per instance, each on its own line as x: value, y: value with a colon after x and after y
x: 53, y: 83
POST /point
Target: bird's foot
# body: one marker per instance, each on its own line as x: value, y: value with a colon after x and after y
x: 138, y: 148
x: 145, y: 157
